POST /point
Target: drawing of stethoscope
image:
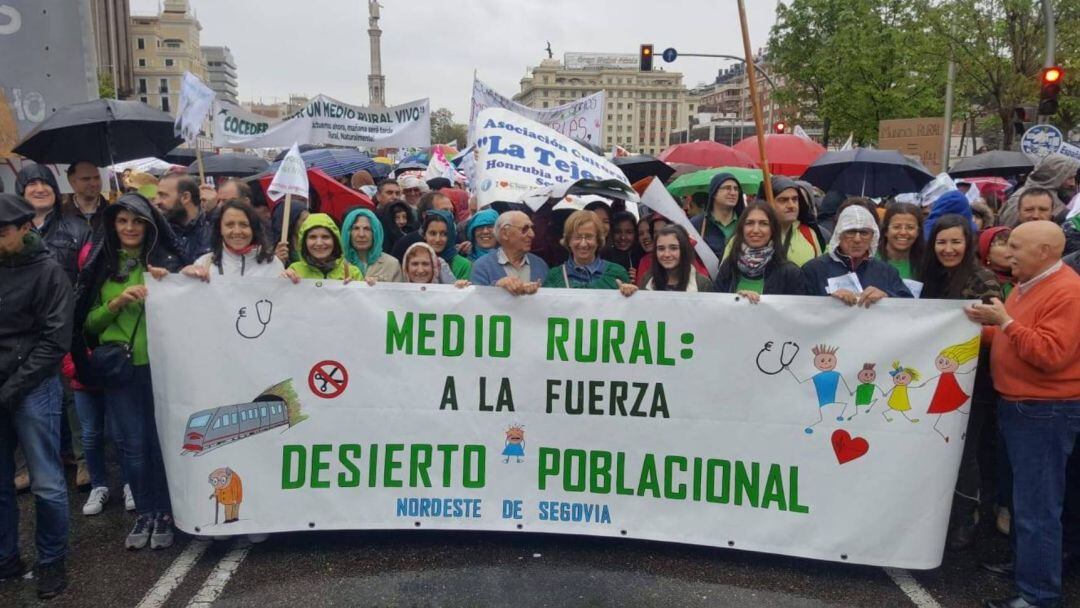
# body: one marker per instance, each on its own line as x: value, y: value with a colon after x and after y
x: 263, y: 310
x: 785, y: 359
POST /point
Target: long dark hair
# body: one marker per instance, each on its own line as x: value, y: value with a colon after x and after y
x: 918, y: 248
x: 258, y: 232
x: 944, y: 283
x: 729, y: 268
x: 686, y: 260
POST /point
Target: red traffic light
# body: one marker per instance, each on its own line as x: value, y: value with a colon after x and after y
x: 1049, y: 89
x: 1052, y: 75
x: 780, y: 127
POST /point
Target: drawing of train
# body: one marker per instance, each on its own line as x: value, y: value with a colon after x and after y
x: 209, y: 429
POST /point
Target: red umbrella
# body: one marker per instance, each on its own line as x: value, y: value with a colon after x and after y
x: 707, y: 154
x: 335, y: 199
x: 788, y: 154
x: 989, y: 185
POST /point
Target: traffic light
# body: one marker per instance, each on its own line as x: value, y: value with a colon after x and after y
x: 646, y: 57
x: 1050, y: 82
x: 780, y: 127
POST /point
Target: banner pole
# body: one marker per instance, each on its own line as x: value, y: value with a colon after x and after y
x: 767, y: 177
x: 285, y: 218
x: 198, y: 160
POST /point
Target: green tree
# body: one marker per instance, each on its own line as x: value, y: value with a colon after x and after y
x: 106, y: 87
x: 852, y: 63
x: 445, y: 130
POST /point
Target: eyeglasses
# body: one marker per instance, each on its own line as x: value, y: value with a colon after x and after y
x: 864, y: 233
x: 583, y: 238
x: 526, y: 229
x: 729, y: 188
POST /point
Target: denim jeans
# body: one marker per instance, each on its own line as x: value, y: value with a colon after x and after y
x: 136, y: 435
x: 1039, y: 437
x: 94, y: 421
x: 36, y: 426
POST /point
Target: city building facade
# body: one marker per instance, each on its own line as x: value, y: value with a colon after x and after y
x: 277, y: 110
x: 109, y: 21
x: 165, y: 46
x: 221, y: 69
x: 642, y: 107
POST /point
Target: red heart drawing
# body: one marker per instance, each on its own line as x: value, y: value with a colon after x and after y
x: 846, y: 448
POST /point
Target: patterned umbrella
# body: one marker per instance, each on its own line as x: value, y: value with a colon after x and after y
x: 336, y: 162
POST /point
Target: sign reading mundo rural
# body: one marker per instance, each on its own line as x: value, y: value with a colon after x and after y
x: 571, y: 411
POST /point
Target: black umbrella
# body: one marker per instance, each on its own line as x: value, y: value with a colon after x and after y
x: 865, y: 172
x: 103, y: 132
x: 1000, y: 163
x: 180, y: 156
x: 410, y: 165
x: 230, y: 165
x: 639, y: 166
x: 591, y: 147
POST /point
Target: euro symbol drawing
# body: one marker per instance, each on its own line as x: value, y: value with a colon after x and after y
x: 785, y: 357
x: 263, y: 311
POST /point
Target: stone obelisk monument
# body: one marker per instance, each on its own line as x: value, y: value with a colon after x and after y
x: 376, y: 80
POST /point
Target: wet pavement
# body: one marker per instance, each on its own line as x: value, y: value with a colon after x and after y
x: 421, y: 568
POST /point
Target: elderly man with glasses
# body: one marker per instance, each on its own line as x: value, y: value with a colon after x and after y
x: 511, y: 266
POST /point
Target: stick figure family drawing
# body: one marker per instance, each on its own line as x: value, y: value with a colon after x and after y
x: 948, y: 396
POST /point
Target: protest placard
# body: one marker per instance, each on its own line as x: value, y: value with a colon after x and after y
x: 571, y: 411
x: 582, y: 119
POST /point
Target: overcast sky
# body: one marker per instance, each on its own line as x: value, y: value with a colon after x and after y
x: 430, y: 48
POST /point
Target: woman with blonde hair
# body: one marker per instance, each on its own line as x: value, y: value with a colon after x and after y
x: 583, y: 236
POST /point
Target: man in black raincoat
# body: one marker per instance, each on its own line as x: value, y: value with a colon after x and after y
x: 35, y: 333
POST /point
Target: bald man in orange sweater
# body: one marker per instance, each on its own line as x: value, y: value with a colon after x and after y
x: 1035, y: 364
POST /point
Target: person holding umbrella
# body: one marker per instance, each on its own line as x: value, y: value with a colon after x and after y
x: 583, y: 237
x: 725, y: 204
x: 849, y: 272
x: 63, y: 235
x: 85, y: 202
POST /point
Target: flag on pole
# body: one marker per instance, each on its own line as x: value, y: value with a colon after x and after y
x: 849, y: 143
x: 291, y: 177
x: 196, y: 99
x: 438, y: 166
x: 799, y: 131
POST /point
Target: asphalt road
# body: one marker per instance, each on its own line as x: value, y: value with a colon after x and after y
x: 420, y: 568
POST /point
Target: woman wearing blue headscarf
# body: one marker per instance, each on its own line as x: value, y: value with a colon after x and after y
x: 481, y: 233
x: 440, y: 233
x: 363, y: 235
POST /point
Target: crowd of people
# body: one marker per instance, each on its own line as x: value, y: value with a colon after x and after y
x: 73, y: 338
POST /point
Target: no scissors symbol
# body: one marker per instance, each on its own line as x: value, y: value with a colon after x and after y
x: 328, y: 379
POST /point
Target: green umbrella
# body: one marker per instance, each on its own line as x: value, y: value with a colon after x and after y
x: 698, y: 181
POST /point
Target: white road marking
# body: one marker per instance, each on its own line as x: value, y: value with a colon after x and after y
x: 171, y: 579
x: 907, y: 583
x: 215, y: 583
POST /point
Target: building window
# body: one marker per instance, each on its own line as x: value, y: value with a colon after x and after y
x: 142, y: 85
x: 141, y: 42
x: 165, y: 104
x: 168, y: 63
x: 545, y: 104
x: 143, y: 99
x: 163, y: 87
x: 142, y: 63
x: 173, y: 43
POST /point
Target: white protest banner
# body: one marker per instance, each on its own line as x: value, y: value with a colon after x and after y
x: 291, y: 177
x: 582, y: 119
x: 196, y: 100
x: 657, y: 198
x: 408, y: 406
x: 326, y: 120
x: 517, y: 155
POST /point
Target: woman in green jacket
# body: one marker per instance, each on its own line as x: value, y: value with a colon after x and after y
x: 440, y: 232
x: 321, y: 254
x: 135, y: 242
x: 583, y: 237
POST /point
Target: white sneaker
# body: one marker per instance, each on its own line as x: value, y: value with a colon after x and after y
x: 98, y: 497
x: 129, y: 498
